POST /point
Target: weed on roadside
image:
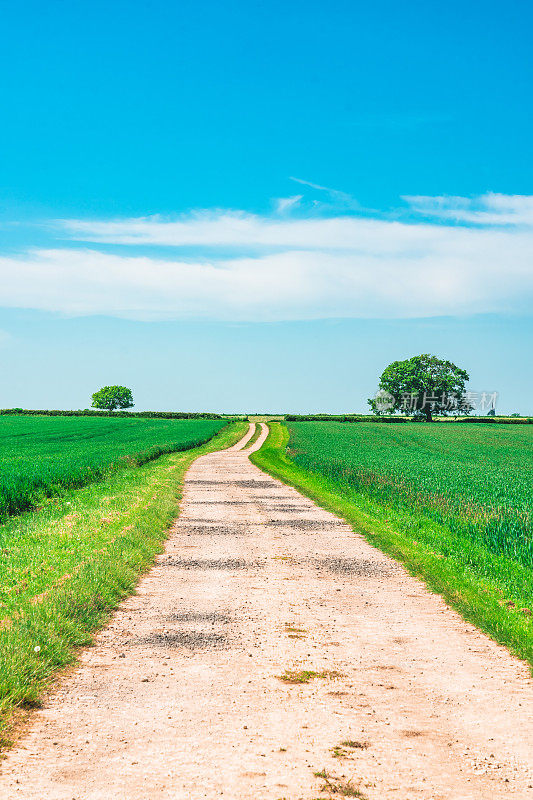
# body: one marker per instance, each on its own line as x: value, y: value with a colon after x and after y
x: 305, y: 675
x: 293, y: 632
x: 338, y: 786
x: 292, y: 629
x: 342, y: 750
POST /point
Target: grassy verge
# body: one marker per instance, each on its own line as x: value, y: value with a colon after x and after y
x: 67, y: 566
x: 487, y: 589
x: 255, y: 437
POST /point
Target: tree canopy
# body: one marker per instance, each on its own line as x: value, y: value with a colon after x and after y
x: 112, y: 397
x: 422, y: 386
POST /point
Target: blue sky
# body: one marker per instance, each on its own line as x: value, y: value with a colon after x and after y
x: 252, y: 206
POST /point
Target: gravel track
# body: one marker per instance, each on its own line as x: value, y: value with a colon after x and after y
x: 181, y: 696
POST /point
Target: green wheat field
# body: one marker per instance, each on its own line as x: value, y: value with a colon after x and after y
x: 476, y: 480
x: 41, y: 456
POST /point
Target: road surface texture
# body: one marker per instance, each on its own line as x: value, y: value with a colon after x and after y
x: 181, y: 697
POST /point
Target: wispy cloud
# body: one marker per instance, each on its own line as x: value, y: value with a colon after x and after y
x: 237, y: 229
x: 284, y: 267
x: 489, y: 209
x: 283, y: 204
x: 340, y: 197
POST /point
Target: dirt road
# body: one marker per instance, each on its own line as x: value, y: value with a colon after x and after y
x: 182, y: 698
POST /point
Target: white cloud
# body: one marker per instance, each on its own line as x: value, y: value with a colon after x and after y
x: 308, y: 269
x: 232, y: 265
x: 211, y: 229
x: 489, y: 209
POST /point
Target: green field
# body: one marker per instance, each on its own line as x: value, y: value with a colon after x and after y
x: 40, y: 456
x: 475, y: 480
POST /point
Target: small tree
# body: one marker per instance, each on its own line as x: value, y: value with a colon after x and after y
x: 422, y: 386
x: 113, y: 397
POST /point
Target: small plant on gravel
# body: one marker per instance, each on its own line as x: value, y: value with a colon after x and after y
x: 292, y: 629
x: 342, y: 750
x: 339, y: 752
x: 293, y: 632
x: 298, y: 676
x: 305, y: 675
x: 333, y: 785
x: 355, y: 745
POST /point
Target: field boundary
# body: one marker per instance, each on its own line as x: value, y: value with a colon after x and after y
x: 399, y: 418
x: 93, y: 412
x: 476, y: 598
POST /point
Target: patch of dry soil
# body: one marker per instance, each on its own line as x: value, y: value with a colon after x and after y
x: 180, y: 698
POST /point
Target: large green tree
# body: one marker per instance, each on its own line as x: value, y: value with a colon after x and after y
x: 422, y: 386
x: 113, y: 397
